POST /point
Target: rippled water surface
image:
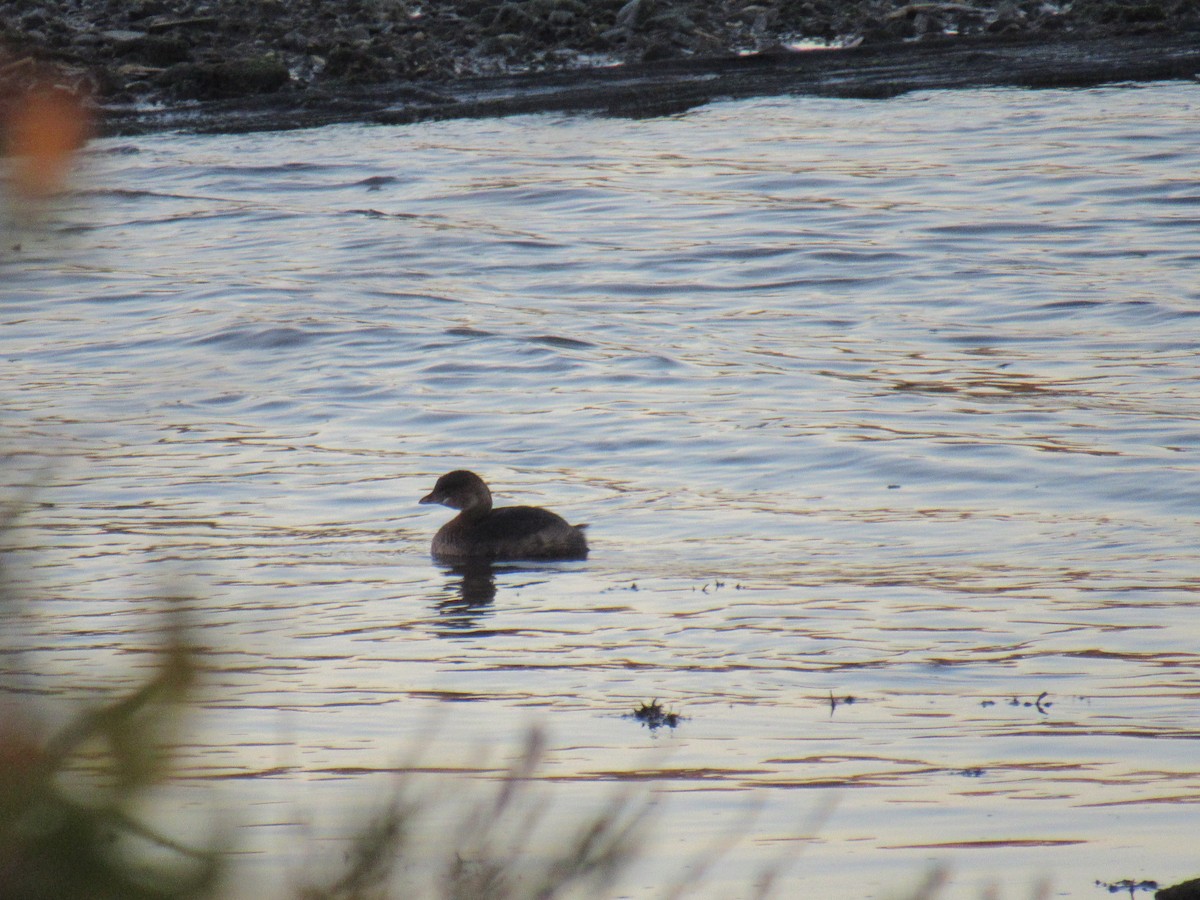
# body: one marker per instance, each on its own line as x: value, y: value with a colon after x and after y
x: 895, y: 401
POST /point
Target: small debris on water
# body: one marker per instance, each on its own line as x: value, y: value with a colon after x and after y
x: 1040, y: 703
x: 654, y: 716
x: 835, y: 702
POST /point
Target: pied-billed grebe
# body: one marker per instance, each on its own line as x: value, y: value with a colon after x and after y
x: 510, y: 532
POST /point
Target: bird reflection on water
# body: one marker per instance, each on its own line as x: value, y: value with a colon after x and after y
x: 468, y: 595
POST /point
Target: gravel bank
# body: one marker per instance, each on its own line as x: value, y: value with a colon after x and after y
x: 174, y: 54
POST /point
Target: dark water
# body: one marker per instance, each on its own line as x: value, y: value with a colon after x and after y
x: 895, y: 401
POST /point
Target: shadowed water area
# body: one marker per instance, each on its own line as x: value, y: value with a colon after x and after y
x: 886, y: 402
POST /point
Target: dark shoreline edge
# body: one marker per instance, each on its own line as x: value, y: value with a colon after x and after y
x: 673, y: 86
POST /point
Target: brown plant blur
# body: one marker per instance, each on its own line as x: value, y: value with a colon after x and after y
x: 67, y: 797
x: 45, y: 121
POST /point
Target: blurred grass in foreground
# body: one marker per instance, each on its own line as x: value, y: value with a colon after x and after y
x: 67, y: 796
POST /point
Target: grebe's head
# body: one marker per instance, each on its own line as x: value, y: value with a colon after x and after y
x: 460, y: 489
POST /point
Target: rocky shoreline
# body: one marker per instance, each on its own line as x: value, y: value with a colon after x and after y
x: 243, y: 64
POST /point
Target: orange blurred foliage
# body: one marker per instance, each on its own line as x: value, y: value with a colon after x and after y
x: 45, y: 126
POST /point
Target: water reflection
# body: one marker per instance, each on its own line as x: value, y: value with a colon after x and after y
x: 846, y: 438
x: 472, y: 590
x: 467, y: 598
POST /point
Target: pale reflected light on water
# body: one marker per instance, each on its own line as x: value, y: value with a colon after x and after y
x: 893, y: 402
